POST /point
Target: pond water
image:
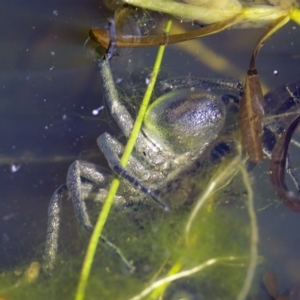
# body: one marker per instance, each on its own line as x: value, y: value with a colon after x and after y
x: 49, y: 88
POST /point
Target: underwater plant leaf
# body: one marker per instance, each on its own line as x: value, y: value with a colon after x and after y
x: 251, y: 110
x: 251, y: 113
x: 102, y: 37
x: 277, y: 168
x: 295, y: 15
x: 182, y: 274
x: 208, y: 12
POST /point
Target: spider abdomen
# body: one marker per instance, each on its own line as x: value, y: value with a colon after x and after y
x: 184, y: 120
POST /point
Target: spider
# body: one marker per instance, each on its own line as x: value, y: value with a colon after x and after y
x: 184, y: 128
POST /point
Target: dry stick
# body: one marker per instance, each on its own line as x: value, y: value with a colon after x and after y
x: 251, y: 111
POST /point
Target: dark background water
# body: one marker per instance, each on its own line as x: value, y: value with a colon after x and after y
x: 49, y: 87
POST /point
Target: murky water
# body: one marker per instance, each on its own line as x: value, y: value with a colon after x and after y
x: 49, y: 88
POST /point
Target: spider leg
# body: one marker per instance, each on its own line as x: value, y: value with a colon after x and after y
x: 135, y: 165
x: 54, y: 211
x: 78, y: 191
x: 123, y: 117
x: 233, y: 86
x: 83, y: 169
x: 115, y: 165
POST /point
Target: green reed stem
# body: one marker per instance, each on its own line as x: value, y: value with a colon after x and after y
x: 295, y: 15
x: 103, y: 215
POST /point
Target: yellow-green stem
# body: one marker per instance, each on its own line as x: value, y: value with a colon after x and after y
x: 295, y: 15
x: 89, y: 257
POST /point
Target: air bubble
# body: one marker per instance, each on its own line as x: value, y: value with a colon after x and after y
x: 96, y: 111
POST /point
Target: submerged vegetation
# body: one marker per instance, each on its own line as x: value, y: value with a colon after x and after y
x: 205, y: 247
x: 154, y: 243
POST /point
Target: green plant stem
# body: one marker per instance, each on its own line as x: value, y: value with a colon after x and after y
x: 206, y: 14
x: 295, y: 15
x: 89, y: 257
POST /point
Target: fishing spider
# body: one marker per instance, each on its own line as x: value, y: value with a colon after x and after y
x: 179, y: 127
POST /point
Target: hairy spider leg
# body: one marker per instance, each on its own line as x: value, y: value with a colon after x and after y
x: 83, y: 169
x: 125, y: 122
x: 204, y: 83
x: 115, y: 165
x: 53, y: 226
x: 134, y: 166
x: 54, y: 211
x: 78, y: 192
x: 123, y: 117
